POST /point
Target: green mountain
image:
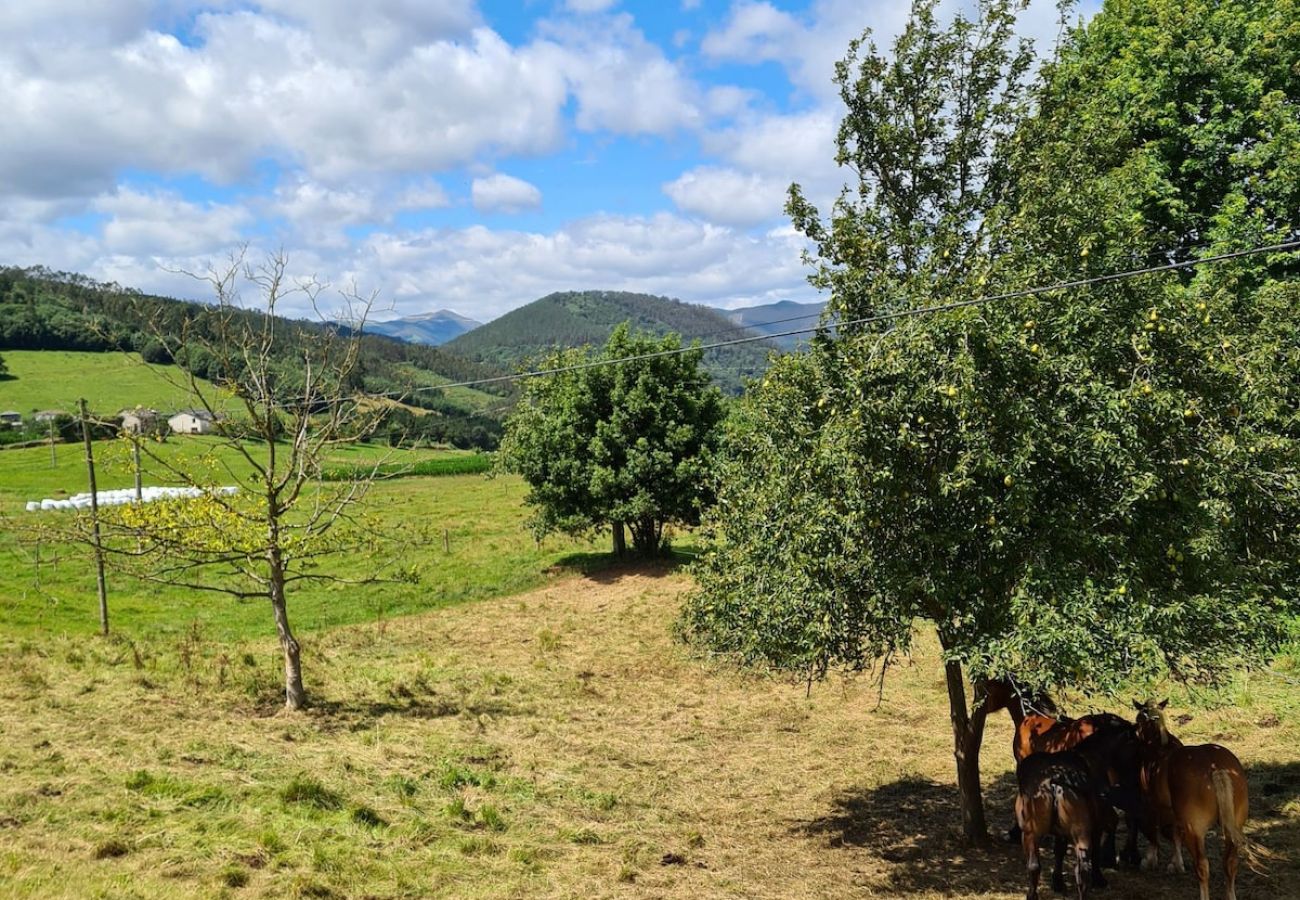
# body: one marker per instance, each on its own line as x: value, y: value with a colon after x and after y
x: 575, y: 318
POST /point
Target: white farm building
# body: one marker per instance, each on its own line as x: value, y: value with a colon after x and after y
x: 191, y: 421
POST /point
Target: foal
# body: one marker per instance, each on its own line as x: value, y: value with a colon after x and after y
x: 1190, y: 789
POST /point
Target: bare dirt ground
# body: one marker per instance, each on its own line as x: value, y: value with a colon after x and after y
x: 560, y: 743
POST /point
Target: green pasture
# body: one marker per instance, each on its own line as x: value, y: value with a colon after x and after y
x: 475, y: 400
x: 57, y: 379
x: 468, y: 529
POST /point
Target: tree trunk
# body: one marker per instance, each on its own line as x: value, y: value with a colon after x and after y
x: 968, y: 735
x: 620, y: 539
x: 645, y: 537
x: 295, y: 696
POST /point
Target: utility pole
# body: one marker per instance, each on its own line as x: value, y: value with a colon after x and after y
x: 94, y: 521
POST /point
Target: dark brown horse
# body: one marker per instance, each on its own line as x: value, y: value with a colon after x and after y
x: 1191, y: 789
x: 1057, y: 796
x: 1041, y: 728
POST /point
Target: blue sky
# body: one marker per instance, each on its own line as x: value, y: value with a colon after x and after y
x: 450, y: 154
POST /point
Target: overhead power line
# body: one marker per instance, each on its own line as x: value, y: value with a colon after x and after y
x: 866, y: 320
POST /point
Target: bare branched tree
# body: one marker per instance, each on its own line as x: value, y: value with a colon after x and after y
x: 281, y: 396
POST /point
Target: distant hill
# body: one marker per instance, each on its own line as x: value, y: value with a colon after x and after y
x: 773, y: 318
x: 433, y: 328
x: 575, y: 318
x: 43, y: 310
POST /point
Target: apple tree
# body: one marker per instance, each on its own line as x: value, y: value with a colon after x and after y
x: 1082, y: 488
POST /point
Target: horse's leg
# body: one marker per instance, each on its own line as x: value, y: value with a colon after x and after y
x: 1130, y: 854
x: 1230, y: 861
x: 1058, y: 870
x: 1095, y: 867
x: 1084, y: 869
x: 1200, y: 864
x: 1033, y: 867
x: 1152, y: 832
x: 1176, y: 864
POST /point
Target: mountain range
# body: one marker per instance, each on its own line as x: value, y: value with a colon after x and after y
x: 434, y: 328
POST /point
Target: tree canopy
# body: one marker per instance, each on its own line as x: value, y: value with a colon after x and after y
x: 618, y: 445
x: 1080, y: 488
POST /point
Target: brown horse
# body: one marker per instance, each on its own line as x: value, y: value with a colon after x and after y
x: 1057, y: 796
x: 1041, y: 728
x: 1190, y: 789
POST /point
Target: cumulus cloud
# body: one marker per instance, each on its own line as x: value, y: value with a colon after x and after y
x: 484, y: 273
x: 622, y: 82
x: 504, y: 193
x: 163, y: 224
x: 728, y: 197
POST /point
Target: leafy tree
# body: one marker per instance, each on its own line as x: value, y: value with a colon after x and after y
x: 1079, y: 488
x: 620, y: 445
x: 4, y: 368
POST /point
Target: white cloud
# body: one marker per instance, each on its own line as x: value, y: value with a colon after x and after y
x: 728, y: 197
x: 622, y: 82
x: 254, y: 87
x: 504, y: 193
x: 162, y: 224
x: 483, y: 273
x: 589, y: 6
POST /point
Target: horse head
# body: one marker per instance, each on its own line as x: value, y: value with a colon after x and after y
x: 1009, y: 693
x: 1150, y: 722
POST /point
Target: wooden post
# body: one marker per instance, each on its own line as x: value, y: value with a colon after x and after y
x: 54, y: 460
x: 135, y: 447
x: 94, y: 521
x: 446, y: 541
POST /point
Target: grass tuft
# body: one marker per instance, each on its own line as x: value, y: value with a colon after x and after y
x: 304, y: 790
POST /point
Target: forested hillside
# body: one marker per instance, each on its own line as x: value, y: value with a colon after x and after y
x: 45, y: 310
x: 575, y: 318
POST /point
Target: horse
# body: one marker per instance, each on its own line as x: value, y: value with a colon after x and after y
x: 1190, y: 788
x: 1057, y: 796
x: 1041, y: 728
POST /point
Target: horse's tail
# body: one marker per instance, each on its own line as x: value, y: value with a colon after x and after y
x: 1224, y: 796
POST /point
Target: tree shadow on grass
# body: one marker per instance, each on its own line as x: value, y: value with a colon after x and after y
x: 608, y: 568
x: 914, y: 827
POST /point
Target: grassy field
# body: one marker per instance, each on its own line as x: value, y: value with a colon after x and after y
x: 550, y: 739
x: 56, y: 379
x: 486, y: 552
x: 478, y: 401
x: 558, y: 743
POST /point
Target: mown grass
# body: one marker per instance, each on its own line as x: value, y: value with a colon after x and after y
x: 57, y: 379
x: 558, y: 743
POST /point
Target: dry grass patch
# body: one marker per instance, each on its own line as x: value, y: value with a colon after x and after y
x: 554, y: 744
